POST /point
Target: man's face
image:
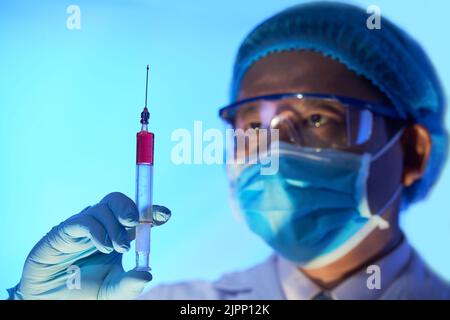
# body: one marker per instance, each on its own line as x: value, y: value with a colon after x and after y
x: 310, y: 72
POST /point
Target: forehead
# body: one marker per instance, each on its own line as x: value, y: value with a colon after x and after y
x: 306, y: 71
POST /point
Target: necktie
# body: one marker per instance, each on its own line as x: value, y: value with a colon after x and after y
x: 323, y: 295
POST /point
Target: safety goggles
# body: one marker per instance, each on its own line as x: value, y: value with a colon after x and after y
x: 319, y: 121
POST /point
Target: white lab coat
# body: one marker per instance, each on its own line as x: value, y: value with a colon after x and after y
x: 406, y: 276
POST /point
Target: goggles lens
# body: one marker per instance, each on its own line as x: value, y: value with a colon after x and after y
x: 320, y: 123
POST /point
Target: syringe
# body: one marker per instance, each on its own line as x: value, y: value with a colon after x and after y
x: 144, y: 188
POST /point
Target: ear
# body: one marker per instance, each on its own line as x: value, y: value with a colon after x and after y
x: 416, y: 142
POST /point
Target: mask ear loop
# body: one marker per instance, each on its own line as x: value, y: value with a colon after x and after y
x: 381, y: 223
x: 388, y: 145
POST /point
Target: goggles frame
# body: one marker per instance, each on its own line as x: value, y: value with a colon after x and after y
x: 228, y: 112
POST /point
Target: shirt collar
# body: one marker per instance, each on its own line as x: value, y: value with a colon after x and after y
x: 297, y: 286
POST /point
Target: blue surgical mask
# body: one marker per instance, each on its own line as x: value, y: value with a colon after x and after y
x: 314, y: 209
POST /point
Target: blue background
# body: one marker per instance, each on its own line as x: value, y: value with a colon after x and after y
x: 70, y: 102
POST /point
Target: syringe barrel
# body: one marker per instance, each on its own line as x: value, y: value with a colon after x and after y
x: 144, y: 175
x: 144, y: 192
x: 144, y: 186
x: 144, y: 197
x: 144, y: 147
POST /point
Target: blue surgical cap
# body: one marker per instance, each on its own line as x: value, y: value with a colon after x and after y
x: 388, y: 57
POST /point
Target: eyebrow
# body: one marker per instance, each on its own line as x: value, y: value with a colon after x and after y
x: 328, y: 107
x: 250, y: 108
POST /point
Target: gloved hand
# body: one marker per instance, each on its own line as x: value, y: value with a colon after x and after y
x: 89, y: 244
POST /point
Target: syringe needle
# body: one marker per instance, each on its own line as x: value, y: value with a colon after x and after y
x: 146, y: 89
x: 145, y: 115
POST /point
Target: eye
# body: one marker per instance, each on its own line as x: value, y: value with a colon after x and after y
x: 316, y: 120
